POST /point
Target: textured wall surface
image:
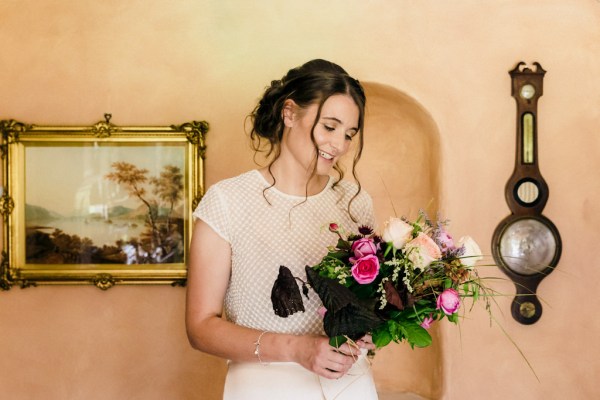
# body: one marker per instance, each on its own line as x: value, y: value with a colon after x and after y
x: 438, y: 68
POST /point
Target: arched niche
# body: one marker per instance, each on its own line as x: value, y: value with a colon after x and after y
x: 400, y: 170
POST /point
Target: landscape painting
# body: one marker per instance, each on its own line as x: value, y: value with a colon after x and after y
x: 100, y: 204
x: 106, y: 203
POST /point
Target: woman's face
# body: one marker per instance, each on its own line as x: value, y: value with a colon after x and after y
x: 333, y: 133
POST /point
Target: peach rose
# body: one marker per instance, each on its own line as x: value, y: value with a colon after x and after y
x: 422, y: 251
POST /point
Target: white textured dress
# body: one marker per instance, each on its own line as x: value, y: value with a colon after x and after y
x: 266, y: 229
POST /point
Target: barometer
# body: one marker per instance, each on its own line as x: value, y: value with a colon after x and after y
x: 526, y: 245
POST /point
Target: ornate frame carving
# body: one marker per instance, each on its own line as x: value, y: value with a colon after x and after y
x: 132, y: 189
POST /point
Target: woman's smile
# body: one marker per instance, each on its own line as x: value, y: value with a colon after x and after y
x: 326, y: 155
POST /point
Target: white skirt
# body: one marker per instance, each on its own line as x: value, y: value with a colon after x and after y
x: 290, y: 381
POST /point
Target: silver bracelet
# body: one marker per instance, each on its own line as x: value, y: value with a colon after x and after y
x: 257, y: 348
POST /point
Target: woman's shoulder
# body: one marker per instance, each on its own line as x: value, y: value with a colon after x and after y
x: 236, y: 183
x: 227, y: 194
x: 349, y: 189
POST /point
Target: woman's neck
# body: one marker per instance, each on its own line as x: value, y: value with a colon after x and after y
x: 292, y: 181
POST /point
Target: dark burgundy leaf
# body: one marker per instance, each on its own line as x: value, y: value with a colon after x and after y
x: 285, y: 294
x: 346, y: 314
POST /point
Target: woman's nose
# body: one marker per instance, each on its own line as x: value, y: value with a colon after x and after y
x: 338, y: 141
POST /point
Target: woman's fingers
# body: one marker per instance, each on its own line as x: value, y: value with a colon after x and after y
x: 332, y: 363
x: 327, y: 361
x: 336, y: 370
x: 330, y: 374
x: 349, y: 349
x: 366, y: 342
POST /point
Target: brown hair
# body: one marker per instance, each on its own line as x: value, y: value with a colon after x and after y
x: 311, y: 83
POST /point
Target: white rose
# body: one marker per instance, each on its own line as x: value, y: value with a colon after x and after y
x: 397, y: 232
x: 472, y: 252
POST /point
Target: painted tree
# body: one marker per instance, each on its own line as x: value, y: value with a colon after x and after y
x: 167, y: 192
x: 72, y: 248
x: 134, y: 179
x: 169, y: 188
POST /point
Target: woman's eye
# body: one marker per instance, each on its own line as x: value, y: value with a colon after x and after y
x: 349, y: 137
x: 329, y: 128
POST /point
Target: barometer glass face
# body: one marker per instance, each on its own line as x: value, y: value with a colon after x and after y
x: 527, y: 246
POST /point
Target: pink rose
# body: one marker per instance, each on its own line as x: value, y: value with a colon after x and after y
x: 365, y: 269
x: 427, y: 321
x: 333, y: 227
x: 422, y: 251
x: 448, y: 301
x: 363, y: 247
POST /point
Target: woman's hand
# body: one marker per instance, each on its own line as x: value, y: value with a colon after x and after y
x: 366, y: 342
x: 317, y: 355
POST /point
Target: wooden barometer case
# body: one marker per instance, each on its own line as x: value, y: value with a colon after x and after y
x: 526, y: 245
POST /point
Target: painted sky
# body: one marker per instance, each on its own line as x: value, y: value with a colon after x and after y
x: 70, y: 179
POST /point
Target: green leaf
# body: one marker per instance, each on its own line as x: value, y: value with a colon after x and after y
x: 381, y: 336
x: 337, y: 341
x: 414, y: 313
x: 389, y: 247
x: 343, y: 244
x: 339, y: 255
x: 416, y: 228
x: 453, y: 317
x: 447, y: 283
x: 417, y: 335
x: 365, y: 291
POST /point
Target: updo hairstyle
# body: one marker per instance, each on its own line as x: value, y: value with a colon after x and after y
x: 311, y: 83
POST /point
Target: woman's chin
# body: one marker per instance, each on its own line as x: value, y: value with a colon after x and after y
x: 324, y: 169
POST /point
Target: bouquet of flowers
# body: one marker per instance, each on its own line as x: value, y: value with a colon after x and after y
x: 395, y: 286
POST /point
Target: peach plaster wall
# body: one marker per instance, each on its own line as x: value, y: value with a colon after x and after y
x: 153, y: 62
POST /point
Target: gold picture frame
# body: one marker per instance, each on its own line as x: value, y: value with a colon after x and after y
x: 101, y: 204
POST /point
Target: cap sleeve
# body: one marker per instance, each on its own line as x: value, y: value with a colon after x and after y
x: 212, y: 209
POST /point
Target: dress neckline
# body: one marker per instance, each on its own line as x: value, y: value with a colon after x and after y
x: 292, y: 196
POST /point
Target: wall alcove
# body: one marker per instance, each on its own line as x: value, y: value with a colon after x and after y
x: 400, y: 170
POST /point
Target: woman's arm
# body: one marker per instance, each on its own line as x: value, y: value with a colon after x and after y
x: 208, y: 277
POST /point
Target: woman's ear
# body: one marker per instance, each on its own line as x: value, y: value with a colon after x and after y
x: 289, y: 112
